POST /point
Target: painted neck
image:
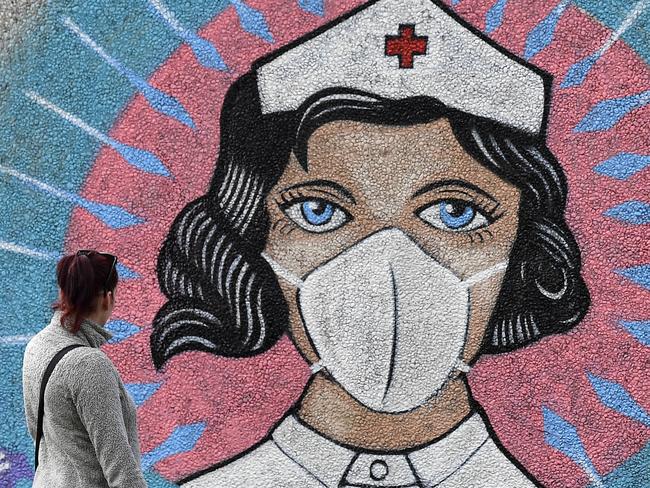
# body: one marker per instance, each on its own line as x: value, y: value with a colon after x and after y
x: 332, y: 412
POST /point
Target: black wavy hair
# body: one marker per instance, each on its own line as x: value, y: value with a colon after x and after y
x: 223, y: 296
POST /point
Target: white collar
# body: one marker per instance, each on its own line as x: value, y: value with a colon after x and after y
x: 330, y: 462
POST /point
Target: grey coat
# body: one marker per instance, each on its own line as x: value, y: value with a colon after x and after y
x: 90, y: 437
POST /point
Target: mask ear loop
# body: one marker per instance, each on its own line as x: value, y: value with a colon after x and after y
x: 287, y: 275
x: 461, y: 367
x: 282, y: 272
x: 316, y: 367
x: 485, y: 274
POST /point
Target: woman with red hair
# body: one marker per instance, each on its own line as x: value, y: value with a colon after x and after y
x: 84, y: 422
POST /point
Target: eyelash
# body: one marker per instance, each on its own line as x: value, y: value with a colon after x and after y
x: 479, y: 234
x: 482, y: 203
x: 283, y: 225
x: 290, y: 197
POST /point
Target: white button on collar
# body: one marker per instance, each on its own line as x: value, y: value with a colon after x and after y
x: 380, y: 471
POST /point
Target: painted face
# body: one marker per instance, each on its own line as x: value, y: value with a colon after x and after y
x: 363, y: 178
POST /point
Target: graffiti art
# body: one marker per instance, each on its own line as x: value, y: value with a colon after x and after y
x: 396, y: 243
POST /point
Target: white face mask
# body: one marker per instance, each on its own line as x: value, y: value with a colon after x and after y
x: 388, y: 322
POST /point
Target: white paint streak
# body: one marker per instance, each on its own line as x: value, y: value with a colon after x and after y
x: 76, y: 121
x: 39, y: 184
x: 15, y: 340
x: 86, y: 39
x: 18, y: 249
x: 625, y: 25
x: 168, y: 15
x: 485, y: 274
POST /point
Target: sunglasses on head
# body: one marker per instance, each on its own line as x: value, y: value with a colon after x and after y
x: 111, y: 257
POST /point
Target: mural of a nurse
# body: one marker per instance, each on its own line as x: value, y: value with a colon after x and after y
x: 385, y: 196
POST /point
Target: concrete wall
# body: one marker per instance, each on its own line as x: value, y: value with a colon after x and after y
x: 110, y: 138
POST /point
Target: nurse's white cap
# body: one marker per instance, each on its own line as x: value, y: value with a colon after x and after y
x: 406, y: 48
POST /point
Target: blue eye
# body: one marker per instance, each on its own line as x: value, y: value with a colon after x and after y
x: 317, y: 212
x: 453, y: 215
x: 316, y: 215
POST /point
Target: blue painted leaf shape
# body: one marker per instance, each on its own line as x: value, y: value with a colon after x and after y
x: 606, y: 114
x: 205, y: 52
x: 631, y: 212
x: 112, y: 215
x: 140, y: 158
x: 252, y: 20
x: 164, y: 103
x: 182, y: 439
x: 623, y: 165
x: 614, y: 396
x: 638, y: 274
x: 141, y: 392
x: 579, y: 70
x: 562, y: 436
x: 542, y: 34
x: 494, y: 16
x: 125, y: 272
x: 159, y: 100
x: 121, y: 329
x: 316, y: 7
x: 640, y: 329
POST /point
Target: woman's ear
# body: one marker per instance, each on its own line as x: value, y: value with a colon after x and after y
x: 107, y: 300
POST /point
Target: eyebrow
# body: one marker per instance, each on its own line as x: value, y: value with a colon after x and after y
x: 461, y: 183
x: 325, y: 184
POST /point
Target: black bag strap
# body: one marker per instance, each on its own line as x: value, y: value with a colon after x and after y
x: 41, y: 400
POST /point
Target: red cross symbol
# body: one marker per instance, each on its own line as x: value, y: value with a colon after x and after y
x: 406, y: 45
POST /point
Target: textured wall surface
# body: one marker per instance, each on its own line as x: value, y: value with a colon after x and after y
x: 111, y: 125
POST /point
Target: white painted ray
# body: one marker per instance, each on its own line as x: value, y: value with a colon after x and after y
x: 18, y: 249
x: 87, y: 40
x: 629, y: 20
x: 168, y: 15
x: 64, y: 195
x: 15, y: 340
x: 74, y: 120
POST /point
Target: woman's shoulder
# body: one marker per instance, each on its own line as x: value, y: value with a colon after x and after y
x: 265, y: 465
x: 89, y: 362
x: 86, y: 368
x: 43, y: 347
